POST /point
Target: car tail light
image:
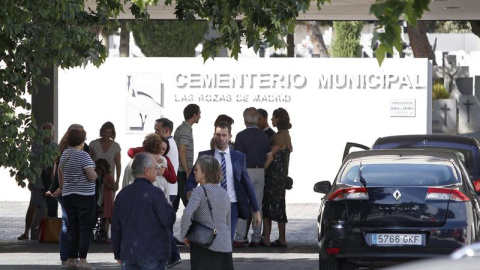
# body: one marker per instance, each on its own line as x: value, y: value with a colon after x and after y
x: 333, y: 251
x: 476, y: 184
x: 446, y: 194
x: 349, y: 194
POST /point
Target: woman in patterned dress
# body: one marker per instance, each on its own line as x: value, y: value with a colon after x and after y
x: 273, y: 203
x: 219, y: 255
x: 106, y: 147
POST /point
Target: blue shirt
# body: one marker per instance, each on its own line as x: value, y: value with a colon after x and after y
x: 255, y: 144
x: 141, y: 220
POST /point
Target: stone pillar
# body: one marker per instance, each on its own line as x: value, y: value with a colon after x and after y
x: 44, y: 105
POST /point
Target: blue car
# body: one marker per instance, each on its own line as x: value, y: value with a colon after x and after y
x: 396, y: 204
x: 468, y: 148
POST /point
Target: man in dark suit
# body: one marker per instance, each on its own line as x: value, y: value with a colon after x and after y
x: 142, y: 219
x: 236, y: 179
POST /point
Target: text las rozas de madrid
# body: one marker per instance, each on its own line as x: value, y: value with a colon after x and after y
x: 276, y: 87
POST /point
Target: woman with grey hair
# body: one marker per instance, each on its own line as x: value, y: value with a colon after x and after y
x: 219, y: 255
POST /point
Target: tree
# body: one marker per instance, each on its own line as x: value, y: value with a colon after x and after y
x: 168, y: 38
x: 35, y: 35
x: 317, y: 39
x: 124, y: 48
x: 346, y: 40
x: 419, y: 42
x: 269, y: 22
x: 388, y: 13
x: 475, y: 27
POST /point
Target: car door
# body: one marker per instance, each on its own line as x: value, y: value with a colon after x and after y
x: 472, y: 193
x: 351, y: 145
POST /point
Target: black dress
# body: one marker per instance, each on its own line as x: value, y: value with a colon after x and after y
x: 273, y: 203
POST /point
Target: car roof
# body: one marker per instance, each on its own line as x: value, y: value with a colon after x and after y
x: 404, y: 152
x: 426, y: 137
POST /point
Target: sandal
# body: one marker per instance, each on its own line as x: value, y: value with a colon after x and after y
x: 23, y: 237
x: 262, y: 244
x: 278, y: 244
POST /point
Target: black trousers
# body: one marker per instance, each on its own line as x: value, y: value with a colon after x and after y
x: 52, y: 206
x: 205, y: 259
x: 81, y: 213
x: 181, y: 179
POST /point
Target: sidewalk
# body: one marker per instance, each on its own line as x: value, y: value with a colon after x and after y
x: 301, y: 238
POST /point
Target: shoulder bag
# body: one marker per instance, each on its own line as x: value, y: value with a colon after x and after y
x: 200, y: 234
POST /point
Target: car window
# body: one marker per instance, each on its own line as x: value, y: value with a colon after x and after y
x: 400, y: 173
x: 465, y: 155
x: 468, y: 182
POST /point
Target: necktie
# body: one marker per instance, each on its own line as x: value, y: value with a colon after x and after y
x: 224, y: 171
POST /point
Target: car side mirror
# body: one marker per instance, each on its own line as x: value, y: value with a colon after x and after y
x: 476, y: 184
x: 322, y: 187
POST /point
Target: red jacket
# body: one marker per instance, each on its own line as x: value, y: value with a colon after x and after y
x: 169, y: 174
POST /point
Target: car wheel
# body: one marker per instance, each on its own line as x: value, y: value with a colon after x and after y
x: 329, y: 264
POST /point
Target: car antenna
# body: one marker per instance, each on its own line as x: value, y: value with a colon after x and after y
x: 362, y: 180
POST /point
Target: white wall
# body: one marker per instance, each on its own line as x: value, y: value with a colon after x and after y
x: 323, y: 119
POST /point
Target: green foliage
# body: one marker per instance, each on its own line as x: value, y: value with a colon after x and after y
x: 260, y: 22
x: 168, y: 38
x: 448, y: 27
x: 35, y: 35
x: 346, y: 40
x: 269, y: 22
x: 439, y: 91
x: 388, y: 13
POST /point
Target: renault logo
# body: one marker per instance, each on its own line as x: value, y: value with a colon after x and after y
x: 397, y: 195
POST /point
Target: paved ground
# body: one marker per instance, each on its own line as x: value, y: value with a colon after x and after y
x: 300, y: 254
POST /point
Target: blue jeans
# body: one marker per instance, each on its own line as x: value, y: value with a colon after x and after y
x: 173, y: 198
x: 234, y: 218
x: 81, y: 213
x: 143, y: 264
x: 174, y: 255
x: 63, y: 232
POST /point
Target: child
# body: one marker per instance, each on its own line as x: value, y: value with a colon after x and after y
x: 103, y: 171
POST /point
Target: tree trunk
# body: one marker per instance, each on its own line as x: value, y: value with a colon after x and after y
x: 419, y: 42
x: 124, y: 50
x: 104, y: 38
x: 317, y: 39
x: 475, y: 27
x: 290, y: 46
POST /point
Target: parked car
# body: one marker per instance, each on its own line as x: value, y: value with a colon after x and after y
x: 396, y: 204
x: 468, y: 148
x: 466, y: 258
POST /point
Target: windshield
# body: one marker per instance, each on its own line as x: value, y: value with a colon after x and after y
x: 400, y: 172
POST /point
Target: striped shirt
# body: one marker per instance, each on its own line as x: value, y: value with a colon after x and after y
x: 76, y: 181
x: 183, y: 135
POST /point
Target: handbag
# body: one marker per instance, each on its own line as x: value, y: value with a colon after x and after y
x: 289, y: 183
x: 200, y: 234
x: 50, y: 230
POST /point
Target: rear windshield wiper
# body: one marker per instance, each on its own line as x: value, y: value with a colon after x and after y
x: 360, y: 175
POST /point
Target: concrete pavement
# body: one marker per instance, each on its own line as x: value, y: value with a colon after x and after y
x: 300, y: 254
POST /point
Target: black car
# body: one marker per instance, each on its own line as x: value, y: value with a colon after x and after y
x: 468, y: 148
x: 466, y: 258
x: 396, y: 204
